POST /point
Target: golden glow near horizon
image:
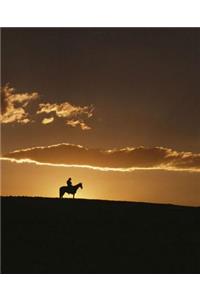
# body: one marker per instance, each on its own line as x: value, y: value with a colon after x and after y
x: 30, y: 179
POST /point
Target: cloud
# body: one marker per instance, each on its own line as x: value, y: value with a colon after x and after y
x: 46, y: 121
x: 68, y: 111
x: 126, y: 159
x: 65, y: 109
x: 15, y: 108
x: 74, y: 123
x: 13, y: 105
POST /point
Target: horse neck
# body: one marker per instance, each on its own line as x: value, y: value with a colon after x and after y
x: 77, y: 185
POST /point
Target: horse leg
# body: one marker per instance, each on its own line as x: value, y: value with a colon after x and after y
x: 61, y: 193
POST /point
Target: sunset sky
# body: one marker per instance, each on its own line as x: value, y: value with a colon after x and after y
x: 115, y: 109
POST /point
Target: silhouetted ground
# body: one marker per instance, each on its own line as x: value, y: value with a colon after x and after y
x: 44, y: 235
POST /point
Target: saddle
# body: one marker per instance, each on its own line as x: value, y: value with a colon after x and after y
x: 69, y: 187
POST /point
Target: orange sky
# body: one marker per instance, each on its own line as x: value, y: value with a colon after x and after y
x: 121, y: 105
x: 148, y: 186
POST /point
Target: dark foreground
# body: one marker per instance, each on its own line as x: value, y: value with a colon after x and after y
x: 41, y: 235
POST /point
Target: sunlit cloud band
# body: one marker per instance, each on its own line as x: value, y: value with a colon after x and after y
x: 120, y: 160
x: 104, y: 169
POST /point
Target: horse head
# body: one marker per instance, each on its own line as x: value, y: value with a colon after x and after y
x: 81, y: 185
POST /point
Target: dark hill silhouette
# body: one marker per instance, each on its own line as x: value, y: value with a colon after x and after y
x: 46, y: 235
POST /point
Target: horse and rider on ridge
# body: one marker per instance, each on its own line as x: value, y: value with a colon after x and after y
x: 70, y: 189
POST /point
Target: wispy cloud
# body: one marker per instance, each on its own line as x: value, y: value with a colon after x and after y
x: 75, y: 123
x: 15, y: 109
x: 13, y: 105
x: 65, y: 109
x: 124, y: 160
x: 68, y: 112
x: 46, y: 121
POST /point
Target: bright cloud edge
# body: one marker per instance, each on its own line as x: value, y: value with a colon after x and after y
x: 104, y: 169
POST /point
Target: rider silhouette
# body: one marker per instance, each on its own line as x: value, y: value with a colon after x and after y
x: 69, y: 182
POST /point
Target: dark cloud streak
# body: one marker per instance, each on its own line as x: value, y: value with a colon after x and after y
x: 126, y: 158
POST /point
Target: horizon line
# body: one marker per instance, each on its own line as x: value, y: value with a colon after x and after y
x: 99, y: 200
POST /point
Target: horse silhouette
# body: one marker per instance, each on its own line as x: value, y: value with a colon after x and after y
x: 69, y: 189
